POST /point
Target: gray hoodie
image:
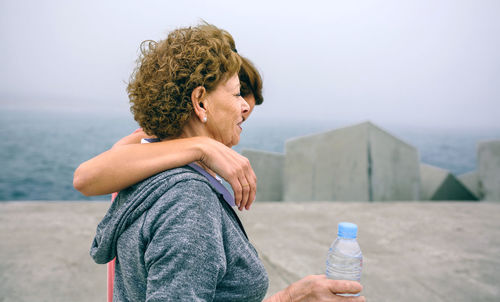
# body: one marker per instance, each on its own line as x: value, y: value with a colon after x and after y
x: 176, y: 239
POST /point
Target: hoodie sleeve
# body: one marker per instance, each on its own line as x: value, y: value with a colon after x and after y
x: 185, y: 255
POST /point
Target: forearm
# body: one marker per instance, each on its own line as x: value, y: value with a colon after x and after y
x: 125, y: 165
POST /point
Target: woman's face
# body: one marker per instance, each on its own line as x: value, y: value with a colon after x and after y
x: 226, y: 110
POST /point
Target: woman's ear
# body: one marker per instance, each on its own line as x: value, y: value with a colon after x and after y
x: 197, y: 98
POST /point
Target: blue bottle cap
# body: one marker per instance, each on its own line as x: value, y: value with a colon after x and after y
x: 347, y: 230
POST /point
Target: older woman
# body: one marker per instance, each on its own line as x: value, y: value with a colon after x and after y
x: 128, y: 162
x: 175, y: 235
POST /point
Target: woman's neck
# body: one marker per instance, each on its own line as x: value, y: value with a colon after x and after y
x: 193, y: 128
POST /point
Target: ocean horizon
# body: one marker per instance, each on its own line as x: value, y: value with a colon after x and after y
x: 40, y: 149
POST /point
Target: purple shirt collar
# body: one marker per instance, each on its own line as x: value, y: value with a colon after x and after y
x: 228, y: 197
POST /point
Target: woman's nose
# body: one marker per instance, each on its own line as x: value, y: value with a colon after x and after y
x: 245, y: 107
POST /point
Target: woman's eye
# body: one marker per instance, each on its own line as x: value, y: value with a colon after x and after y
x: 238, y: 94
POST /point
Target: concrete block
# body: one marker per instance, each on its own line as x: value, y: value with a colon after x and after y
x: 489, y: 169
x: 268, y: 167
x: 395, y: 167
x: 471, y: 181
x: 440, y: 184
x: 361, y: 162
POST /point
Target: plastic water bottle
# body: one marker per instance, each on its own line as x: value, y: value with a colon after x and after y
x: 345, y: 260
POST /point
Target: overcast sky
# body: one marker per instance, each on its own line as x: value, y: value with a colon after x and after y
x: 414, y: 62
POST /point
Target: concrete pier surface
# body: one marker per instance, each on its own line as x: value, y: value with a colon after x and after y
x: 413, y: 251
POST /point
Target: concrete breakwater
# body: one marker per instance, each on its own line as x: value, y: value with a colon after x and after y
x: 365, y: 163
x: 413, y: 251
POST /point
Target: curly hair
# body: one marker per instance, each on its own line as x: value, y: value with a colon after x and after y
x: 251, y: 81
x: 169, y: 70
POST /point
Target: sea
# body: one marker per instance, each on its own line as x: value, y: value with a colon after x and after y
x: 40, y: 149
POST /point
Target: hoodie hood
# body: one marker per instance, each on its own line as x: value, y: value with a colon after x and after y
x: 130, y: 204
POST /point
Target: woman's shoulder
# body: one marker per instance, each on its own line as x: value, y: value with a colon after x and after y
x: 186, y: 203
x: 176, y: 175
x: 165, y: 180
x: 167, y: 187
x: 185, y: 183
x: 181, y: 187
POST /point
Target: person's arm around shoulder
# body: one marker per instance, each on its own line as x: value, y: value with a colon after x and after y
x: 129, y: 162
x: 319, y: 288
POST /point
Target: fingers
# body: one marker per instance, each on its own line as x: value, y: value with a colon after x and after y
x: 253, y: 190
x: 245, y: 188
x: 248, y: 184
x: 243, y: 181
x: 320, y: 288
x: 250, y: 189
x: 234, y: 168
x: 352, y: 299
x: 340, y: 287
x: 344, y: 287
x: 237, y: 189
x: 241, y: 189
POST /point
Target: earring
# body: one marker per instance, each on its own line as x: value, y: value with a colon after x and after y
x: 204, y: 119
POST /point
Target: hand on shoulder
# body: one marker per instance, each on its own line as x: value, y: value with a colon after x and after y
x: 234, y: 168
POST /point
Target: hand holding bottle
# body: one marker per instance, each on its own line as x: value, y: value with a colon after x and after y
x: 319, y: 288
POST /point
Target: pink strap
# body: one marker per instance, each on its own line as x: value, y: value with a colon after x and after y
x: 111, y: 279
x: 111, y: 267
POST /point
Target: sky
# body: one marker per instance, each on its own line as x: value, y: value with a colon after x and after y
x: 416, y: 62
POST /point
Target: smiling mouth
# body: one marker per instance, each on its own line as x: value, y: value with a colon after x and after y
x: 239, y: 124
